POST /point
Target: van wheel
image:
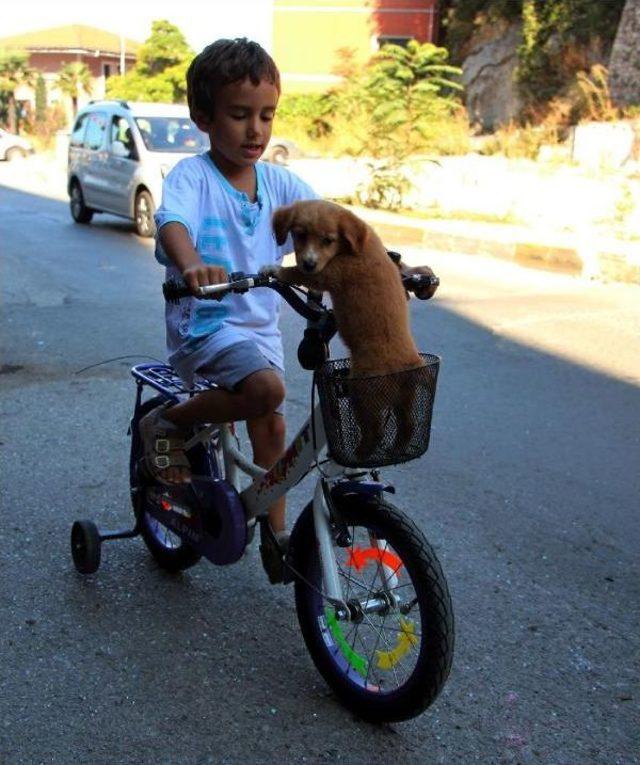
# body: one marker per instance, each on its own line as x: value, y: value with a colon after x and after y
x: 279, y: 155
x: 15, y: 152
x: 144, y: 210
x: 79, y: 211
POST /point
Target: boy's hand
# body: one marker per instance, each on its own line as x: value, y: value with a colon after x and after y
x: 270, y: 270
x: 200, y: 275
x: 422, y: 293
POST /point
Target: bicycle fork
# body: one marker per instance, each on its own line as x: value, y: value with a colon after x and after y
x: 330, y: 576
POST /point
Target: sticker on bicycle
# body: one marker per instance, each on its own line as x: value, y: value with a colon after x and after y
x: 358, y: 558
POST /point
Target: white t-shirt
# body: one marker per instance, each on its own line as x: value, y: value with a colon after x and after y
x: 227, y: 230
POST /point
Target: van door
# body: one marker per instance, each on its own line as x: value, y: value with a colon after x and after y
x: 95, y: 185
x: 122, y: 166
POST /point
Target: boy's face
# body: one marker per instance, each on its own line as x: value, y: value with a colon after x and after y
x: 240, y: 127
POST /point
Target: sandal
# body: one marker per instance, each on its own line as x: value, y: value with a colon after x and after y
x: 163, y: 445
x: 273, y: 549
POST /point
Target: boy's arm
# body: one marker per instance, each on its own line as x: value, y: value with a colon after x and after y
x: 177, y: 246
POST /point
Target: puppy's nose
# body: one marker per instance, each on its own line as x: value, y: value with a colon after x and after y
x: 308, y: 264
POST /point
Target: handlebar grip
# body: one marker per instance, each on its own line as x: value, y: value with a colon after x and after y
x: 414, y: 282
x: 174, y: 291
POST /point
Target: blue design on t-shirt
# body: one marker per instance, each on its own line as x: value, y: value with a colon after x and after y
x: 207, y: 241
x: 228, y: 230
x: 207, y: 318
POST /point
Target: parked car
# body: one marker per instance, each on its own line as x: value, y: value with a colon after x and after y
x: 13, y: 146
x: 120, y: 151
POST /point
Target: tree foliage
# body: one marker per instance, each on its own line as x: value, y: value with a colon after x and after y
x: 160, y: 70
x: 559, y: 37
x: 14, y: 72
x: 41, y: 98
x: 403, y: 91
x: 73, y: 80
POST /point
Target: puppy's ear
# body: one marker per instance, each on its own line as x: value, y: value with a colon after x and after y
x: 282, y: 222
x: 354, y: 231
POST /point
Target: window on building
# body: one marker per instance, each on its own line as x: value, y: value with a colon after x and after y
x: 388, y: 39
x: 106, y: 71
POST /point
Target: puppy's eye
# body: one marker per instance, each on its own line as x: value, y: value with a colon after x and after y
x: 327, y: 240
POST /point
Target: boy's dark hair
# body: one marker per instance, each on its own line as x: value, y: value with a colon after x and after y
x: 221, y: 63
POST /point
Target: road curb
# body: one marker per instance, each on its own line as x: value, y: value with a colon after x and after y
x: 609, y: 259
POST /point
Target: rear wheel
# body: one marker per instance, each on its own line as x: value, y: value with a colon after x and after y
x: 143, y: 213
x: 79, y: 211
x: 389, y: 660
x: 170, y: 551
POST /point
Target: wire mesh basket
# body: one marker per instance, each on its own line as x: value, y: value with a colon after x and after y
x: 379, y: 420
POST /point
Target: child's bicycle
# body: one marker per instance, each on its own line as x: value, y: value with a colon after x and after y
x: 371, y: 598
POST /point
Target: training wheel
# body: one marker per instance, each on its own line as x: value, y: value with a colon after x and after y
x: 85, y: 546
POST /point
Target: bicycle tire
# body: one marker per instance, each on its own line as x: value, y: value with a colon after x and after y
x: 173, y: 557
x: 435, y: 652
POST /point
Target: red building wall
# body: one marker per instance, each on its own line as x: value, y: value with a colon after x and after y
x: 407, y: 18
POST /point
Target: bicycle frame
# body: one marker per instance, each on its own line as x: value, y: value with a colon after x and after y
x: 267, y: 485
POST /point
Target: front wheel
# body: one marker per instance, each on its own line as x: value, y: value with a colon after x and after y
x: 390, y: 658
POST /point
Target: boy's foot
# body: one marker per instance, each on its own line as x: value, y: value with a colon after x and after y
x: 163, y: 444
x: 273, y: 548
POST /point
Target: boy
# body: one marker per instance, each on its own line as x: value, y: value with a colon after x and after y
x: 215, y: 218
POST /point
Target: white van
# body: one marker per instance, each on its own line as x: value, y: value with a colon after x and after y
x: 120, y: 151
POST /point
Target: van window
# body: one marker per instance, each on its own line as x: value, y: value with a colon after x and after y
x: 177, y: 134
x: 121, y: 131
x: 78, y: 130
x: 96, y: 128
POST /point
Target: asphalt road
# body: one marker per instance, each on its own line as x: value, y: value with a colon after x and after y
x: 529, y: 493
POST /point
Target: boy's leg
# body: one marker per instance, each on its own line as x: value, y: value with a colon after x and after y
x: 267, y: 436
x: 259, y: 394
x: 255, y: 397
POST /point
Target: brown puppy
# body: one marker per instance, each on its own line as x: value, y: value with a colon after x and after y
x: 338, y: 253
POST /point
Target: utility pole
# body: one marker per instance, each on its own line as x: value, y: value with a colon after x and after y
x: 122, y: 65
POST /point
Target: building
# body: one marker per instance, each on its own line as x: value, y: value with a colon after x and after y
x: 50, y: 49
x: 310, y: 37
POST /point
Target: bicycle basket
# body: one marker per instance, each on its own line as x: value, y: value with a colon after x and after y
x: 377, y: 420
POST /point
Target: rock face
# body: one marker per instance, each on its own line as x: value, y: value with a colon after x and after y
x: 624, y: 64
x: 489, y: 78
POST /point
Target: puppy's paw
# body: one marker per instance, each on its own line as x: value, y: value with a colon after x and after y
x: 270, y: 270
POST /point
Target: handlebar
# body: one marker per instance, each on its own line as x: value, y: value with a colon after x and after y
x: 321, y: 326
x: 312, y: 309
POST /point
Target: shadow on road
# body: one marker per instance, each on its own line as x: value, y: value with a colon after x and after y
x: 528, y: 493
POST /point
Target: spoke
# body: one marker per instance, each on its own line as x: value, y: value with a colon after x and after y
x: 351, y: 579
x: 373, y: 654
x: 366, y: 616
x: 399, y: 629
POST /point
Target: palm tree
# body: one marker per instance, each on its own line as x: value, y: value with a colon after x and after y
x: 14, y: 72
x: 73, y: 79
